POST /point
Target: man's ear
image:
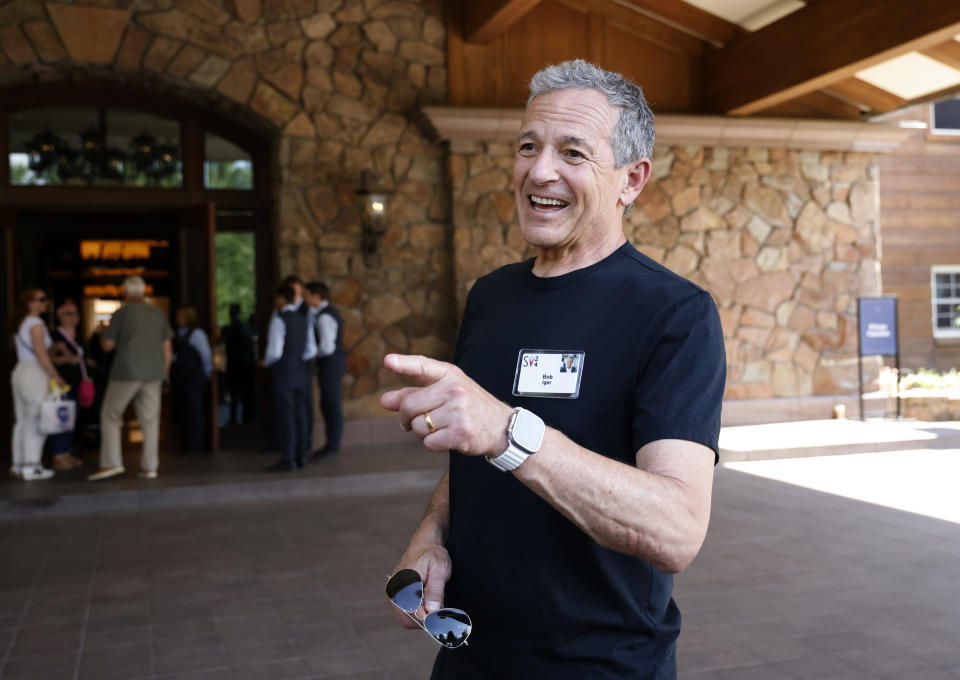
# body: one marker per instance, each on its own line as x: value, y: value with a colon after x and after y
x: 638, y: 173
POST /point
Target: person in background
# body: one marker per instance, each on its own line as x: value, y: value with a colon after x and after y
x: 30, y: 383
x: 309, y: 349
x: 331, y: 364
x: 189, y: 372
x: 295, y: 283
x: 70, y: 358
x: 237, y: 338
x: 142, y: 336
x: 286, y: 338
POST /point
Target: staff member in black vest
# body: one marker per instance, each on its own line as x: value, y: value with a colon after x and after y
x: 286, y: 338
x: 331, y: 364
x: 189, y: 372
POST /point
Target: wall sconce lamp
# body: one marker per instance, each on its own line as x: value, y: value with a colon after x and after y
x: 375, y: 225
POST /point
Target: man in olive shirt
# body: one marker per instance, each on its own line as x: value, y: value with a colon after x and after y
x: 142, y: 337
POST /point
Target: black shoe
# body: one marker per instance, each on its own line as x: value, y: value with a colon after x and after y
x: 301, y: 464
x: 281, y: 466
x: 325, y: 452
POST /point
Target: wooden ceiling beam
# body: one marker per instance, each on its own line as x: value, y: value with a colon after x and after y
x: 866, y: 94
x: 687, y: 18
x: 947, y: 53
x: 819, y: 45
x: 484, y: 20
x: 816, y: 105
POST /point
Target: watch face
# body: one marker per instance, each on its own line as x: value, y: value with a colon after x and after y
x: 527, y: 432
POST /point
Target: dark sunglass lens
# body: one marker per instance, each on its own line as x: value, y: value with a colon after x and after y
x: 405, y: 589
x: 450, y: 627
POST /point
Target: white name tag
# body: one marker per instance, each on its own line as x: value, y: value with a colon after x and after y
x: 548, y: 373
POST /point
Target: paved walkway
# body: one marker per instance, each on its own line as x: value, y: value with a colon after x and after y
x: 791, y: 583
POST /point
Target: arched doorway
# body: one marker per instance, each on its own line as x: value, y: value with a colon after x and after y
x: 100, y: 180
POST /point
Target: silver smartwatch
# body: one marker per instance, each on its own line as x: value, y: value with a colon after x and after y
x: 524, y: 437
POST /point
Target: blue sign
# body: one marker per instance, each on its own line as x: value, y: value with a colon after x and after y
x: 878, y: 326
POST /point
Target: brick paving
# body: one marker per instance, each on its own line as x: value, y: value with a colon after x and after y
x: 791, y: 583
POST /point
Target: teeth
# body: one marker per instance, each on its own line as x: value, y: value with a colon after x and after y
x: 547, y: 201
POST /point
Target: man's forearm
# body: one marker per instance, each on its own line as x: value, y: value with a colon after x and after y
x: 659, y: 514
x: 435, y: 524
x: 167, y: 356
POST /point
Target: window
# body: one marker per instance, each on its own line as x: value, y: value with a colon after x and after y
x: 945, y: 295
x: 945, y: 117
x: 88, y: 146
x: 236, y: 274
x: 226, y: 165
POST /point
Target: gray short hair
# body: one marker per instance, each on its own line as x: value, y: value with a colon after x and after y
x: 134, y: 286
x: 634, y: 131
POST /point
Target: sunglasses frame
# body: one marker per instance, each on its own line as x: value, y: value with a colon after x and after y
x: 422, y: 622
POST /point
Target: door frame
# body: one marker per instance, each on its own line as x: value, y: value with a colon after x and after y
x: 248, y: 210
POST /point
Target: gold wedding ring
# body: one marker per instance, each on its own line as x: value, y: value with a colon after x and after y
x: 430, y: 425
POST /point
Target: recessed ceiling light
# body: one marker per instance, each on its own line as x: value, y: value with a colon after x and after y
x: 911, y: 75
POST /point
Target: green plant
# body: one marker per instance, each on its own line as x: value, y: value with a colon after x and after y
x: 236, y: 276
x: 929, y: 379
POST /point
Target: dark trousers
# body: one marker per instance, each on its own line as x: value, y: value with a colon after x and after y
x: 308, y: 370
x: 330, y: 377
x: 240, y: 385
x: 191, y: 413
x: 290, y: 422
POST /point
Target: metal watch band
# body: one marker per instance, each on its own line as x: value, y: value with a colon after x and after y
x: 509, y: 459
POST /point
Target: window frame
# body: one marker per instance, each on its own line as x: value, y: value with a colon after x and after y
x: 935, y: 299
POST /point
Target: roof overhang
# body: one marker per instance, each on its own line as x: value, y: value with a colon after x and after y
x: 503, y: 125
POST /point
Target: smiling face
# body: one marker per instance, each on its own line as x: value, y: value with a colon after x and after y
x: 570, y: 195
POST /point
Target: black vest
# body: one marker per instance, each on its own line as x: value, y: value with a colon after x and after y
x: 289, y: 367
x: 189, y: 365
x: 338, y: 353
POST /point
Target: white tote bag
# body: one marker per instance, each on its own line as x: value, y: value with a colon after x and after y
x: 57, y: 415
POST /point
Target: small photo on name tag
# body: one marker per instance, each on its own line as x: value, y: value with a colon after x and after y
x: 548, y: 373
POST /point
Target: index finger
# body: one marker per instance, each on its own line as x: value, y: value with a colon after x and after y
x: 427, y: 370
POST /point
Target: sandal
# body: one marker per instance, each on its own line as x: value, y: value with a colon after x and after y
x: 63, y: 461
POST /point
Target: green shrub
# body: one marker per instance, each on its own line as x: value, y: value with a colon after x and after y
x: 931, y: 380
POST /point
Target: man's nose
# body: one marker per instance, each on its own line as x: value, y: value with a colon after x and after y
x: 544, y: 167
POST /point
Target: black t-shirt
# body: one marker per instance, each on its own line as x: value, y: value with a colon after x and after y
x: 545, y: 599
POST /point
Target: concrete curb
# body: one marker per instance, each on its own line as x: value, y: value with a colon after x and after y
x: 215, y: 494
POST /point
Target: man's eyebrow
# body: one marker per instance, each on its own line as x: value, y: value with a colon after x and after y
x: 568, y: 140
x: 577, y: 141
x: 527, y: 134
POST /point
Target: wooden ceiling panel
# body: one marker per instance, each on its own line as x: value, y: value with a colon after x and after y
x: 868, y: 96
x: 641, y: 25
x: 816, y: 105
x: 484, y: 20
x: 689, y: 19
x: 947, y: 52
x: 819, y: 45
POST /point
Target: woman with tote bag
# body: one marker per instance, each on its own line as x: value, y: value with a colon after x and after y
x: 30, y: 381
x: 70, y: 358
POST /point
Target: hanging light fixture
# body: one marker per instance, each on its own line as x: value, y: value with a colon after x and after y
x: 42, y: 151
x: 97, y: 161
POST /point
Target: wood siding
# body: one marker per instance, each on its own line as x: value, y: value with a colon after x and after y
x: 663, y: 60
x: 920, y: 228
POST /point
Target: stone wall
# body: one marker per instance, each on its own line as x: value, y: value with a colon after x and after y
x: 784, y: 240
x: 335, y: 84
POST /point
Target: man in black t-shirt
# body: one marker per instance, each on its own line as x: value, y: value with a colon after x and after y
x: 571, y: 497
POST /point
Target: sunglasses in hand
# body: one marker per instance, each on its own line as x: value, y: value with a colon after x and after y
x: 449, y: 627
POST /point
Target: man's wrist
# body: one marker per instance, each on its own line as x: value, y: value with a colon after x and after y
x: 502, y: 441
x: 524, y: 435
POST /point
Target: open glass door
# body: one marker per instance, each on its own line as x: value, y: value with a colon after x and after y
x: 197, y: 288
